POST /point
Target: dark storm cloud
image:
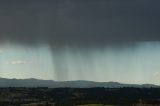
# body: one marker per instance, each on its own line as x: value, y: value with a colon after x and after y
x: 79, y: 22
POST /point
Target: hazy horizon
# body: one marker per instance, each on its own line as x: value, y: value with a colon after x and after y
x: 96, y: 40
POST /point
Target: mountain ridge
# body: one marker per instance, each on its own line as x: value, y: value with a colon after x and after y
x: 32, y: 82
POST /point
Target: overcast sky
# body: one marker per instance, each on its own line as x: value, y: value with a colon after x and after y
x: 99, y: 40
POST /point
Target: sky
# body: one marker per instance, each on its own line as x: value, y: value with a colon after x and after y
x: 97, y: 40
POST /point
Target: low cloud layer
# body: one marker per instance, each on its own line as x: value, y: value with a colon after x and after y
x: 14, y: 62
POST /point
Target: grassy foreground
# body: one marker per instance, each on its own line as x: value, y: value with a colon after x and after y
x: 95, y: 105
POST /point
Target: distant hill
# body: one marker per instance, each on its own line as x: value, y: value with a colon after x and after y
x: 4, y: 82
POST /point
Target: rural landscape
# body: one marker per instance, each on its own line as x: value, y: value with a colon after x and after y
x: 43, y: 96
x: 33, y: 92
x: 79, y: 52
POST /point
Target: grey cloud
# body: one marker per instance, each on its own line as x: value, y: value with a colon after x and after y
x: 79, y: 22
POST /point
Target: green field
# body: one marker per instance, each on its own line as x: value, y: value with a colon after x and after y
x: 95, y: 105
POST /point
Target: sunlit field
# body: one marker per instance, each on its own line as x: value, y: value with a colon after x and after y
x: 96, y: 105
